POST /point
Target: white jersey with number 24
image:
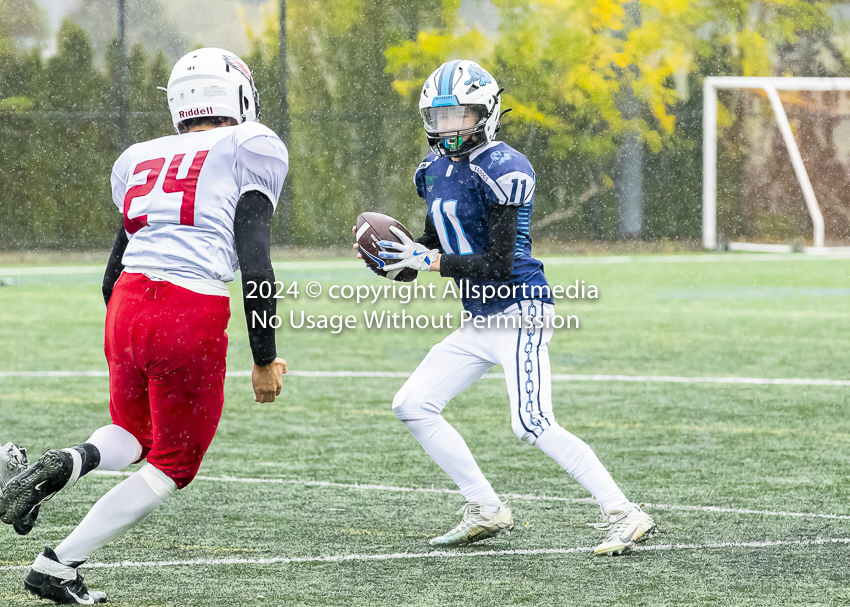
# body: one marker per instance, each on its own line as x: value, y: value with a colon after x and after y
x: 178, y: 195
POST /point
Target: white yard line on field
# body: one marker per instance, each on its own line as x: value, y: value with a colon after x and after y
x: 507, y: 496
x: 294, y: 373
x: 48, y: 270
x: 438, y: 554
x: 53, y: 374
x: 759, y: 381
x: 557, y: 377
x: 344, y: 264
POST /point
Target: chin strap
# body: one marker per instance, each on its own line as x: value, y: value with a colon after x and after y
x: 499, y: 122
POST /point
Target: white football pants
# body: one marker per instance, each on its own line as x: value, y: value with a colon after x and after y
x: 464, y: 356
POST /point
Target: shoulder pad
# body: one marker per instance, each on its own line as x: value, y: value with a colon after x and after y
x: 249, y: 130
x: 429, y: 159
x: 261, y: 141
x: 507, y: 173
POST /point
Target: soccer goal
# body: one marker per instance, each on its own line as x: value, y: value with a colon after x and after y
x: 820, y: 109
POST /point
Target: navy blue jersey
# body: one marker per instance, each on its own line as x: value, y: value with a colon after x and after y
x: 460, y: 196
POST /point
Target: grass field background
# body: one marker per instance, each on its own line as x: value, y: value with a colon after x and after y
x: 773, y: 448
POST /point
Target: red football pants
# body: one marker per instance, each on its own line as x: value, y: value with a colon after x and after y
x: 166, y: 349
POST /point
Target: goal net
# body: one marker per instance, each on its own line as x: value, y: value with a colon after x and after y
x: 776, y: 164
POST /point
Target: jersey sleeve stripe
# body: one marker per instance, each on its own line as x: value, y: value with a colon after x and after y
x: 530, y: 194
x: 501, y: 196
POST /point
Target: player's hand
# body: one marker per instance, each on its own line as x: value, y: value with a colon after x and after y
x: 268, y: 380
x: 410, y: 254
x: 355, y: 245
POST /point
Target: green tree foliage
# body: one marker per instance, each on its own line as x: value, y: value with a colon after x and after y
x: 354, y: 142
x: 566, y: 65
x: 58, y: 141
x: 354, y: 73
x: 20, y: 19
x: 152, y: 23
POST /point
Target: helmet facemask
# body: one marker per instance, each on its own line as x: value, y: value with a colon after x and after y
x: 455, y: 130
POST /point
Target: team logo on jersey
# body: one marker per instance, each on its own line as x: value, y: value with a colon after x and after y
x: 478, y: 74
x: 498, y: 158
x: 236, y: 64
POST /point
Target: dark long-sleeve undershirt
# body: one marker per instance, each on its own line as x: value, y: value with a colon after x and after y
x: 429, y: 238
x: 114, y: 267
x: 252, y: 233
x: 496, y: 263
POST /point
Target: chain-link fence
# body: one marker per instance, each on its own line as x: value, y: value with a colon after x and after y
x: 351, y: 125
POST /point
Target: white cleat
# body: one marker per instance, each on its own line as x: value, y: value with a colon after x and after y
x: 625, y: 529
x: 479, y: 522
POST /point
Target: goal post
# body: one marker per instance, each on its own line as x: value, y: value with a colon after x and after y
x: 771, y: 88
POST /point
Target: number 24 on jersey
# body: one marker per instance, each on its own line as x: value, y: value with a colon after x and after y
x: 165, y: 208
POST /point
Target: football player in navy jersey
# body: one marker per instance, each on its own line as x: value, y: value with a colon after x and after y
x: 479, y: 194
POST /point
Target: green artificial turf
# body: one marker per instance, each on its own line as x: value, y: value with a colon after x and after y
x: 774, y: 448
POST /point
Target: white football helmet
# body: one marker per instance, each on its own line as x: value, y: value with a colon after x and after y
x: 212, y: 82
x: 460, y: 108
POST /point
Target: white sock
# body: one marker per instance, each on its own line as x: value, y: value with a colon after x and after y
x: 449, y: 451
x: 125, y: 506
x: 580, y: 462
x: 118, y: 448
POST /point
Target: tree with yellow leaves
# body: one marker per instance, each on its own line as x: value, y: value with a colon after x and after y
x: 566, y: 65
x: 568, y: 60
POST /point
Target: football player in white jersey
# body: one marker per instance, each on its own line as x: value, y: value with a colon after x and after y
x: 196, y: 207
x: 479, y: 196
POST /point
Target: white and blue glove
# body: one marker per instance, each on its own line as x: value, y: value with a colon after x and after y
x: 409, y: 254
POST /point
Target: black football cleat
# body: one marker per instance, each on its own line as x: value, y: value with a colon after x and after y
x: 49, y: 579
x: 24, y: 526
x: 41, y: 481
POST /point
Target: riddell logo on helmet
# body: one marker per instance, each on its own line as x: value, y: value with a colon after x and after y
x: 201, y: 111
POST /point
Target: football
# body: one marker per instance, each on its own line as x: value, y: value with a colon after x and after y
x: 372, y: 228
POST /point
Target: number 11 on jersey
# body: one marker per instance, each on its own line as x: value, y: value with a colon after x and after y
x: 442, y: 210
